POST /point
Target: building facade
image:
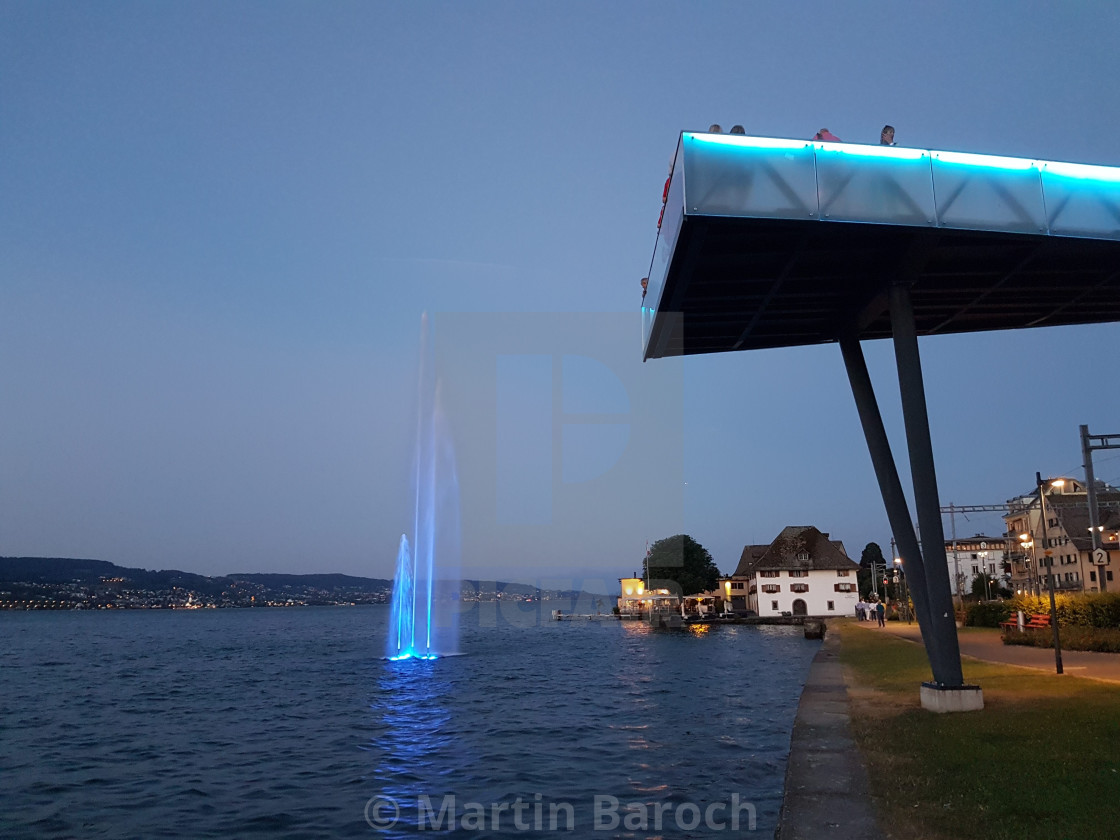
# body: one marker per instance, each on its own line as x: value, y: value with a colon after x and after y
x: 1050, y: 536
x: 734, y: 593
x: 802, y: 572
x: 635, y: 601
x: 979, y: 556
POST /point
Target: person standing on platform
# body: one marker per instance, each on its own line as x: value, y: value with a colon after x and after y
x: 881, y: 611
x: 886, y: 136
x: 827, y: 136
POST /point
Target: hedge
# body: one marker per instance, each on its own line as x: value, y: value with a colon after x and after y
x: 1103, y: 640
x: 986, y: 613
x: 1091, y: 609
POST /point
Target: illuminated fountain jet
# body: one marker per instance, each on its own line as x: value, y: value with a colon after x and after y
x: 423, y: 621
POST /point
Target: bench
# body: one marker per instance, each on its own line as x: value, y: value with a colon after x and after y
x: 1038, y: 621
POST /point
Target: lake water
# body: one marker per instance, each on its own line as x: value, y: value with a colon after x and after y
x: 288, y: 723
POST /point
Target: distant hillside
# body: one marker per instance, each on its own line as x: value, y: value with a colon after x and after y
x: 527, y: 589
x: 90, y: 572
x: 66, y: 570
x: 55, y: 569
x: 327, y: 581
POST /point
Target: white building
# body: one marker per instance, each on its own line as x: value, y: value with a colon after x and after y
x: 978, y: 556
x: 802, y: 572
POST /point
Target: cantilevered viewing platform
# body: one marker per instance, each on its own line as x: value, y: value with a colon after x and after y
x: 768, y: 242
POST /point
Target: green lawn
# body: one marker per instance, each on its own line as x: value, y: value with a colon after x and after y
x: 1042, y: 760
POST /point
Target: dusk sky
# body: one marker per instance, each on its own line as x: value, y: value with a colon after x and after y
x: 221, y: 223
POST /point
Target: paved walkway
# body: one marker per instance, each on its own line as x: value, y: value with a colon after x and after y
x: 826, y: 790
x: 985, y: 644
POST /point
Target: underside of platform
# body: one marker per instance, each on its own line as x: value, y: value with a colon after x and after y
x: 745, y: 284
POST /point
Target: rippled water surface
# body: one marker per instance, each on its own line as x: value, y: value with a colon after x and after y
x: 287, y: 723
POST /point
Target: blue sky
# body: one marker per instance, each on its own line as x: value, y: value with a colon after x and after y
x: 220, y: 224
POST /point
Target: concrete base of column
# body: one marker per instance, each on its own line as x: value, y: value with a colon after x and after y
x: 961, y: 698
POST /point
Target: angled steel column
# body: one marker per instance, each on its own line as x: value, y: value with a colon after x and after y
x: 942, y: 629
x: 898, y: 512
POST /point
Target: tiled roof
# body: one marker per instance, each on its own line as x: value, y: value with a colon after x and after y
x: 1074, y: 520
x: 751, y: 554
x: 992, y: 542
x: 1105, y: 492
x: 795, y: 540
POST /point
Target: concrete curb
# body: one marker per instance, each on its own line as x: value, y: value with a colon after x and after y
x: 826, y: 789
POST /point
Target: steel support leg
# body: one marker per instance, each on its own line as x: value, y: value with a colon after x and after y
x: 898, y: 512
x: 941, y: 634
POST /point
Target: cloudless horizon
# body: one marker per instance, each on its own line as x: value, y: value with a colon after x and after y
x: 221, y: 224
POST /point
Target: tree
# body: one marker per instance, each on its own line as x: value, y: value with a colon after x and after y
x: 683, y: 560
x: 990, y: 591
x: 871, y: 554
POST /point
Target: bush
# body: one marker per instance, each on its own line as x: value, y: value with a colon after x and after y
x: 1102, y: 640
x: 1091, y: 609
x: 987, y: 613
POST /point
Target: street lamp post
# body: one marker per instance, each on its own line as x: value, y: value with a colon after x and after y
x: 900, y: 570
x: 1027, y: 544
x: 1049, y: 569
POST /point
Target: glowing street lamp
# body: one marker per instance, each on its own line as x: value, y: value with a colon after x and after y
x: 1027, y: 544
x: 898, y: 566
x: 1050, y: 567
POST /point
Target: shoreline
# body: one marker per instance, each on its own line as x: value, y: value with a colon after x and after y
x: 826, y: 791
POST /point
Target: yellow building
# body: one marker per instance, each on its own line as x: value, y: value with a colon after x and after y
x: 636, y: 601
